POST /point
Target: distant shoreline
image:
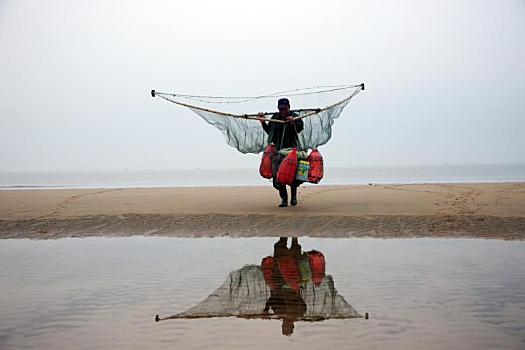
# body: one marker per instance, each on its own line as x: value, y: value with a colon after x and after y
x: 249, y: 177
x: 40, y: 188
x: 489, y: 210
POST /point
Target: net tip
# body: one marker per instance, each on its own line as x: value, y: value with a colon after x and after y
x: 362, y: 86
x: 152, y: 93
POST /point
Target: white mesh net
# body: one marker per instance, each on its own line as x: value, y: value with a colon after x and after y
x: 237, y: 117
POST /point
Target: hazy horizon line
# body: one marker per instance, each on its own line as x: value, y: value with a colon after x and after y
x: 251, y: 168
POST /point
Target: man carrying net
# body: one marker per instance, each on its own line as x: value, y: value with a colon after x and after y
x: 283, y: 135
x: 307, y: 127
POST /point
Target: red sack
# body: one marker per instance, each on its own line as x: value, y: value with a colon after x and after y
x: 288, y: 168
x: 265, y: 169
x: 267, y: 269
x: 317, y: 265
x: 316, y: 166
x: 290, y: 272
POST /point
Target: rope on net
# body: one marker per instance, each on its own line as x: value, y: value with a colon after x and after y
x: 241, y: 132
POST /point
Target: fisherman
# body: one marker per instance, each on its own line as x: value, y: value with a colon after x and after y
x: 283, y: 135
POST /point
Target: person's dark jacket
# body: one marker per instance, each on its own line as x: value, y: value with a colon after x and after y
x: 275, y: 132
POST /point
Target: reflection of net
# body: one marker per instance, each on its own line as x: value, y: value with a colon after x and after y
x: 236, y: 117
x: 245, y: 292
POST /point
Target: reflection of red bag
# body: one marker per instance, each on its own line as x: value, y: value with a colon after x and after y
x: 316, y: 166
x: 267, y: 269
x: 288, y: 168
x: 317, y: 265
x: 290, y: 272
x: 265, y: 169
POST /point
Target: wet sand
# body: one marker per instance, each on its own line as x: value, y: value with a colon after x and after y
x: 425, y: 210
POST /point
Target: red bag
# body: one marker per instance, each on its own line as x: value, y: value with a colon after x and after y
x: 265, y: 169
x: 290, y: 272
x: 267, y: 269
x: 288, y: 168
x: 316, y: 166
x: 317, y: 265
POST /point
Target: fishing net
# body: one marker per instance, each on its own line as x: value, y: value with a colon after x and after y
x: 238, y: 117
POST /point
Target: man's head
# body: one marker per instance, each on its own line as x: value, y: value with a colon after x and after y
x: 284, y: 107
x: 287, y: 326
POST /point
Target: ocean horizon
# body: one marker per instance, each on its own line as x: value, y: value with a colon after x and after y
x: 409, y: 174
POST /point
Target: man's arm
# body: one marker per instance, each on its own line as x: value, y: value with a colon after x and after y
x: 299, y: 125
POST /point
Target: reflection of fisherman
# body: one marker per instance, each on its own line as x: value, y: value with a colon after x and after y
x: 286, y: 300
x: 283, y: 136
x: 291, y: 286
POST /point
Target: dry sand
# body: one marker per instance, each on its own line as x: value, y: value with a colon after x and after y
x: 427, y: 210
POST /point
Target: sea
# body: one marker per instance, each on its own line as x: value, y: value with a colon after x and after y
x: 128, y: 178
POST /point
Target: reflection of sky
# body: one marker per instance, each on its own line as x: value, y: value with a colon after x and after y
x: 432, y: 293
x: 445, y: 79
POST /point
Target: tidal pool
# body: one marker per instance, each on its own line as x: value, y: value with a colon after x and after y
x: 86, y: 293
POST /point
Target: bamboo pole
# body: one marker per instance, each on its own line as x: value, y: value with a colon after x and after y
x: 258, y: 115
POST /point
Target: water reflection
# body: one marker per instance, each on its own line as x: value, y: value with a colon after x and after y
x: 290, y: 286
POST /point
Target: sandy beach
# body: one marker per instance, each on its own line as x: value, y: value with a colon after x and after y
x: 425, y: 210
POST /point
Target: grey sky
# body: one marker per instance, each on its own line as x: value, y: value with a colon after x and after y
x: 445, y: 80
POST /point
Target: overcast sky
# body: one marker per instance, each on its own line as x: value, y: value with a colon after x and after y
x: 445, y: 80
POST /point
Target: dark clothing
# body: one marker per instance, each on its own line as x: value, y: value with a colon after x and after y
x: 281, y: 249
x: 286, y: 303
x: 283, y: 135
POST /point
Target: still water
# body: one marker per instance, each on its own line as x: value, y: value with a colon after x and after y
x: 105, y: 292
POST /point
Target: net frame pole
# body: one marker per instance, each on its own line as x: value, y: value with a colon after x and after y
x: 225, y: 114
x: 257, y: 116
x: 362, y: 87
